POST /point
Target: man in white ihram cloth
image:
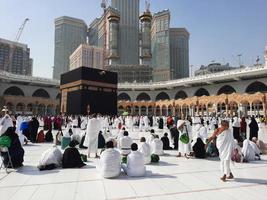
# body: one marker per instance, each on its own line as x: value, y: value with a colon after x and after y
x: 225, y: 145
x: 91, y: 138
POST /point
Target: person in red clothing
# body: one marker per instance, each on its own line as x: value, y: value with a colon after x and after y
x: 170, y: 122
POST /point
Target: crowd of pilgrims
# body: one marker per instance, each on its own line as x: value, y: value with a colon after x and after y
x: 191, y: 138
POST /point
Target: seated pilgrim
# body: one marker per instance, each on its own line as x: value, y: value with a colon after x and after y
x: 144, y: 148
x: 157, y: 146
x: 248, y: 151
x: 199, y: 149
x: 15, y: 150
x: 125, y: 144
x: 259, y: 143
x: 121, y: 133
x: 50, y: 159
x: 109, y: 165
x: 166, y: 142
x: 212, y: 150
x: 135, y: 166
x: 237, y: 155
x: 72, y: 157
x: 151, y: 137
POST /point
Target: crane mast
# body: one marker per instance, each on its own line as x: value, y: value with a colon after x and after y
x: 12, y: 47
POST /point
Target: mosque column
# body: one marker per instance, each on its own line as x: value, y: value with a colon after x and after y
x: 139, y: 111
x: 264, y: 108
x: 173, y: 111
x: 250, y: 109
x: 226, y: 110
x: 132, y: 110
x: 146, y: 110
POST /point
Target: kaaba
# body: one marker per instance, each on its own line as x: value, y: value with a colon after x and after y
x: 88, y: 90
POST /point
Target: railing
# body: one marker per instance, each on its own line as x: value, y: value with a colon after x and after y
x: 4, y: 74
x: 231, y: 74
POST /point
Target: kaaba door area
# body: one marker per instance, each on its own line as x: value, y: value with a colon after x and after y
x: 87, y: 89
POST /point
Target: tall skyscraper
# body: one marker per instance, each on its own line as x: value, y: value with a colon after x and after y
x: 15, y: 58
x: 179, y: 53
x: 128, y: 30
x: 69, y: 34
x: 160, y: 46
x: 87, y: 56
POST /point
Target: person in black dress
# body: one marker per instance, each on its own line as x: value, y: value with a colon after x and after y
x: 72, y: 157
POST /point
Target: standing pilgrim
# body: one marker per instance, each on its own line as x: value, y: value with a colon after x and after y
x: 254, y: 128
x: 225, y: 145
x: 91, y: 137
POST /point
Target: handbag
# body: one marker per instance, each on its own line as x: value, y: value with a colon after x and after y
x: 184, y: 138
x: 5, y: 141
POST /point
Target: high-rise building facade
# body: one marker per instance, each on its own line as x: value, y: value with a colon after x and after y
x: 179, y: 53
x: 160, y: 46
x: 69, y: 34
x: 128, y: 30
x: 87, y: 56
x: 15, y: 58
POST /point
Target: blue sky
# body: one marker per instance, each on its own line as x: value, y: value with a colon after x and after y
x: 219, y: 29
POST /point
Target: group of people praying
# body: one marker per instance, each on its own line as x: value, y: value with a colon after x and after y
x: 129, y: 143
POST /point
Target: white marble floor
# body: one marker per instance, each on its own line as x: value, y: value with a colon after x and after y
x: 172, y: 178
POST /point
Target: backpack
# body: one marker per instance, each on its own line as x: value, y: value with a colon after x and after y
x: 40, y: 137
x: 235, y: 156
x: 154, y: 158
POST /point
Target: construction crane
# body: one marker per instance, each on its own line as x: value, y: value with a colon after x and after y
x: 12, y: 47
x: 148, y: 5
x: 104, y: 5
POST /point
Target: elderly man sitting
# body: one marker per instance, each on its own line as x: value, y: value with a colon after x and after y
x: 250, y: 151
x: 135, y: 163
x: 110, y: 162
x: 125, y: 144
x: 144, y: 148
x: 157, y: 146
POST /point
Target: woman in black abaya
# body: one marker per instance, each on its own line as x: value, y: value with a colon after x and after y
x: 254, y: 128
x: 72, y: 157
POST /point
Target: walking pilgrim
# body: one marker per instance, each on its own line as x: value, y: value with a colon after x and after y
x: 225, y: 145
x: 91, y: 138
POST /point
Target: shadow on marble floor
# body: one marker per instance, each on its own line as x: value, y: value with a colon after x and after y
x: 249, y: 180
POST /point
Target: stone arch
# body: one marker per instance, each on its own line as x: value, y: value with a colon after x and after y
x: 255, y: 87
x: 58, y: 96
x: 20, y: 107
x: 143, y: 110
x: 181, y: 95
x: 49, y: 110
x: 157, y: 111
x: 29, y: 107
x: 164, y: 110
x: 14, y: 91
x: 150, y: 110
x: 124, y: 97
x: 41, y: 109
x: 202, y: 92
x: 41, y: 93
x: 162, y: 96
x: 10, y: 106
x: 226, y: 89
x: 143, y: 97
